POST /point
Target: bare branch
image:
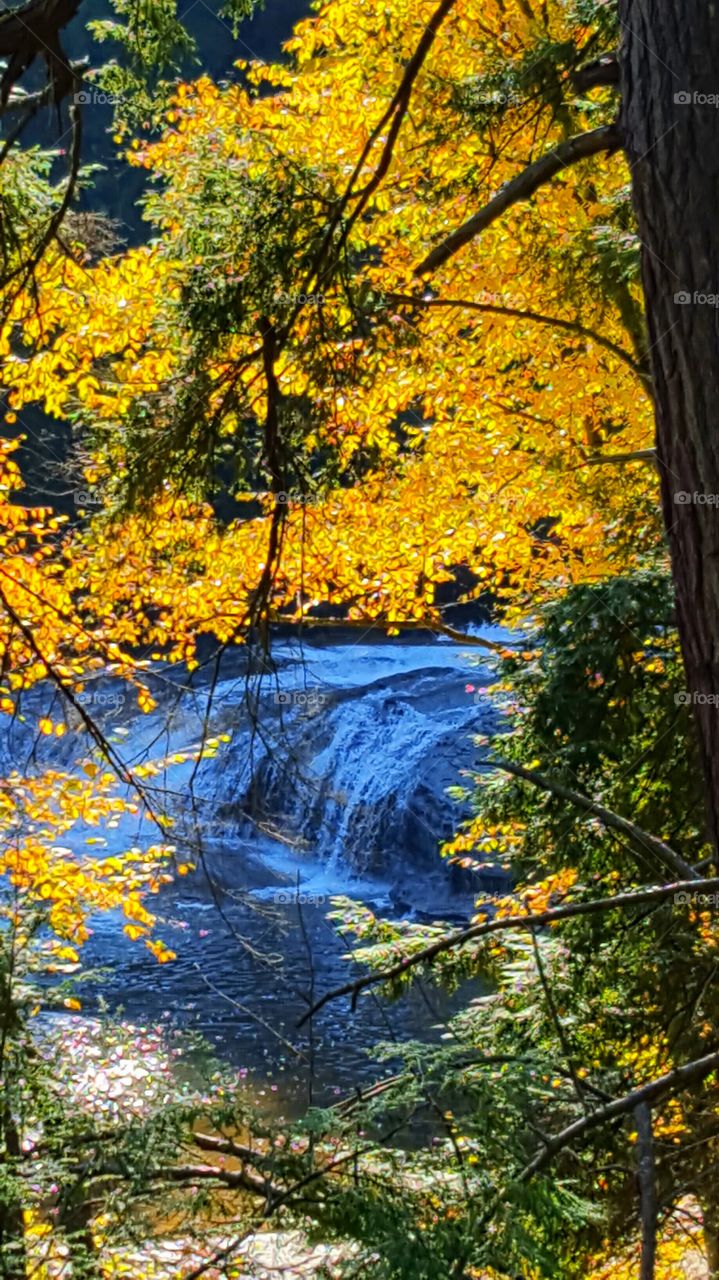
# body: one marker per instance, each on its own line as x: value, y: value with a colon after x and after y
x: 226, y: 1147
x: 434, y: 626
x: 242, y: 1179
x: 607, y: 139
x: 666, y: 855
x: 443, y: 629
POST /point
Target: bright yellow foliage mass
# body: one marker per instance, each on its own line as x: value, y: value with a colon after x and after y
x: 472, y: 422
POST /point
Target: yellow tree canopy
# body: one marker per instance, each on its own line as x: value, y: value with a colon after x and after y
x: 464, y: 408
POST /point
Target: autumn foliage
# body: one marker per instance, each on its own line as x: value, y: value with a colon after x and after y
x: 309, y: 395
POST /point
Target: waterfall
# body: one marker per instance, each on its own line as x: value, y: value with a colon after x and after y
x: 334, y: 766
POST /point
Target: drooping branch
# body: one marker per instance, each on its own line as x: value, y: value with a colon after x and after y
x: 605, y: 140
x: 654, y: 1091
x: 657, y: 1090
x: 274, y: 460
x: 613, y: 821
x: 535, y: 317
x: 435, y: 627
x: 462, y: 637
x: 451, y: 941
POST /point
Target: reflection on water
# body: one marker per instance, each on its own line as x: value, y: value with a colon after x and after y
x: 243, y: 979
x: 365, y: 812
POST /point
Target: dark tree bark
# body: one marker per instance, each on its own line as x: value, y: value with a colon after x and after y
x: 32, y: 30
x: 710, y: 1216
x: 669, y: 63
x: 12, y: 1223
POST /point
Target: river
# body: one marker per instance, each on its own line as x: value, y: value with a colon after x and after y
x: 332, y: 782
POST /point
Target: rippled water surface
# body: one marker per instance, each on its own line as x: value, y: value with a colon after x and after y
x: 349, y: 767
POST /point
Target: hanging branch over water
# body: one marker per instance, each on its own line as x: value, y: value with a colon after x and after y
x: 451, y: 941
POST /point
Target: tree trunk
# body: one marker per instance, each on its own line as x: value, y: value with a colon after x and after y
x: 710, y: 1216
x: 669, y: 75
x: 12, y: 1223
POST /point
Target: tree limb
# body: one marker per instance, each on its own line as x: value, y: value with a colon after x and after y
x: 395, y: 113
x: 601, y: 72
x: 435, y: 627
x: 537, y: 317
x: 616, y: 459
x: 31, y: 31
x: 646, y: 1176
x: 227, y: 1147
x: 450, y: 941
x: 238, y: 1179
x: 666, y: 855
x: 606, y: 139
x: 673, y: 1082
x: 31, y: 102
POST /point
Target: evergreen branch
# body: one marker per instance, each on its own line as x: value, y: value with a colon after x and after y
x: 613, y: 821
x: 451, y: 941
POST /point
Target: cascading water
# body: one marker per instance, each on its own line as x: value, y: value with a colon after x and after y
x: 350, y: 764
x: 331, y: 781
